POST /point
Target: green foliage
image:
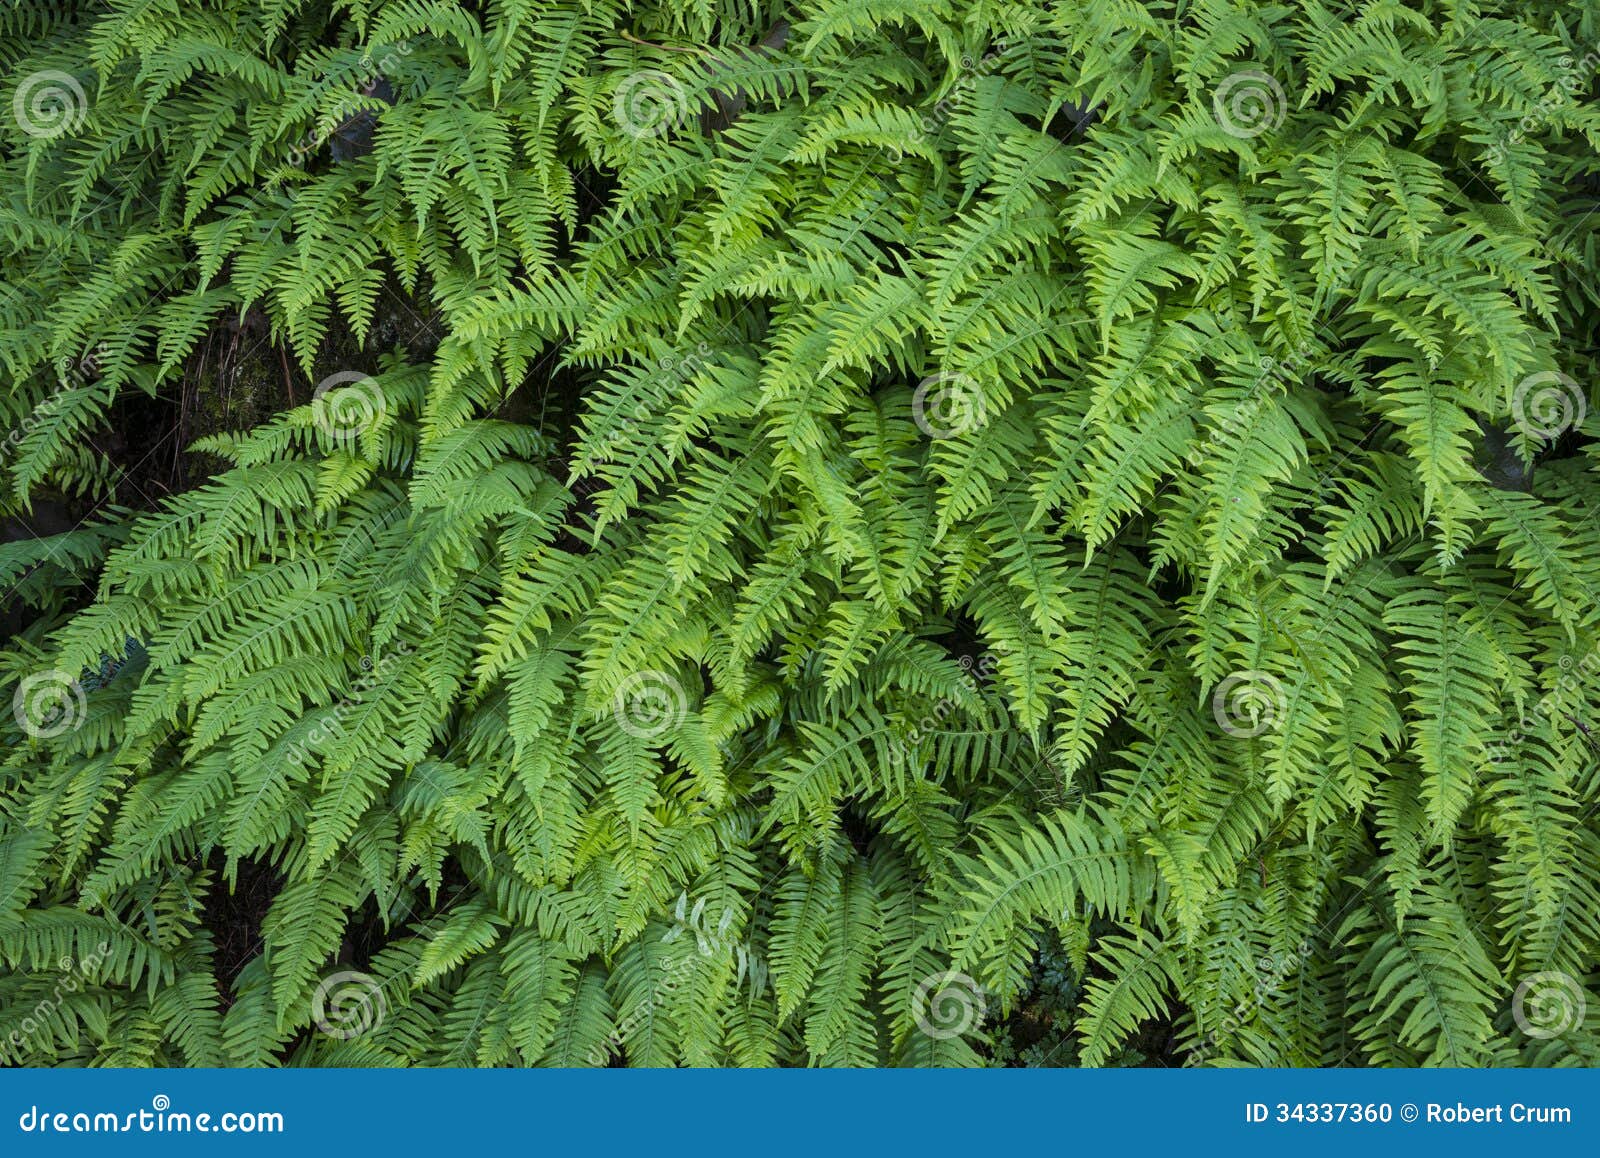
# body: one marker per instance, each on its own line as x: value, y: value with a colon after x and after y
x: 913, y: 504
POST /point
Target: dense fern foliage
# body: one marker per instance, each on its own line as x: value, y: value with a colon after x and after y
x: 910, y: 507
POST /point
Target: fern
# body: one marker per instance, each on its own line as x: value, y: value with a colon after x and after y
x: 755, y: 535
